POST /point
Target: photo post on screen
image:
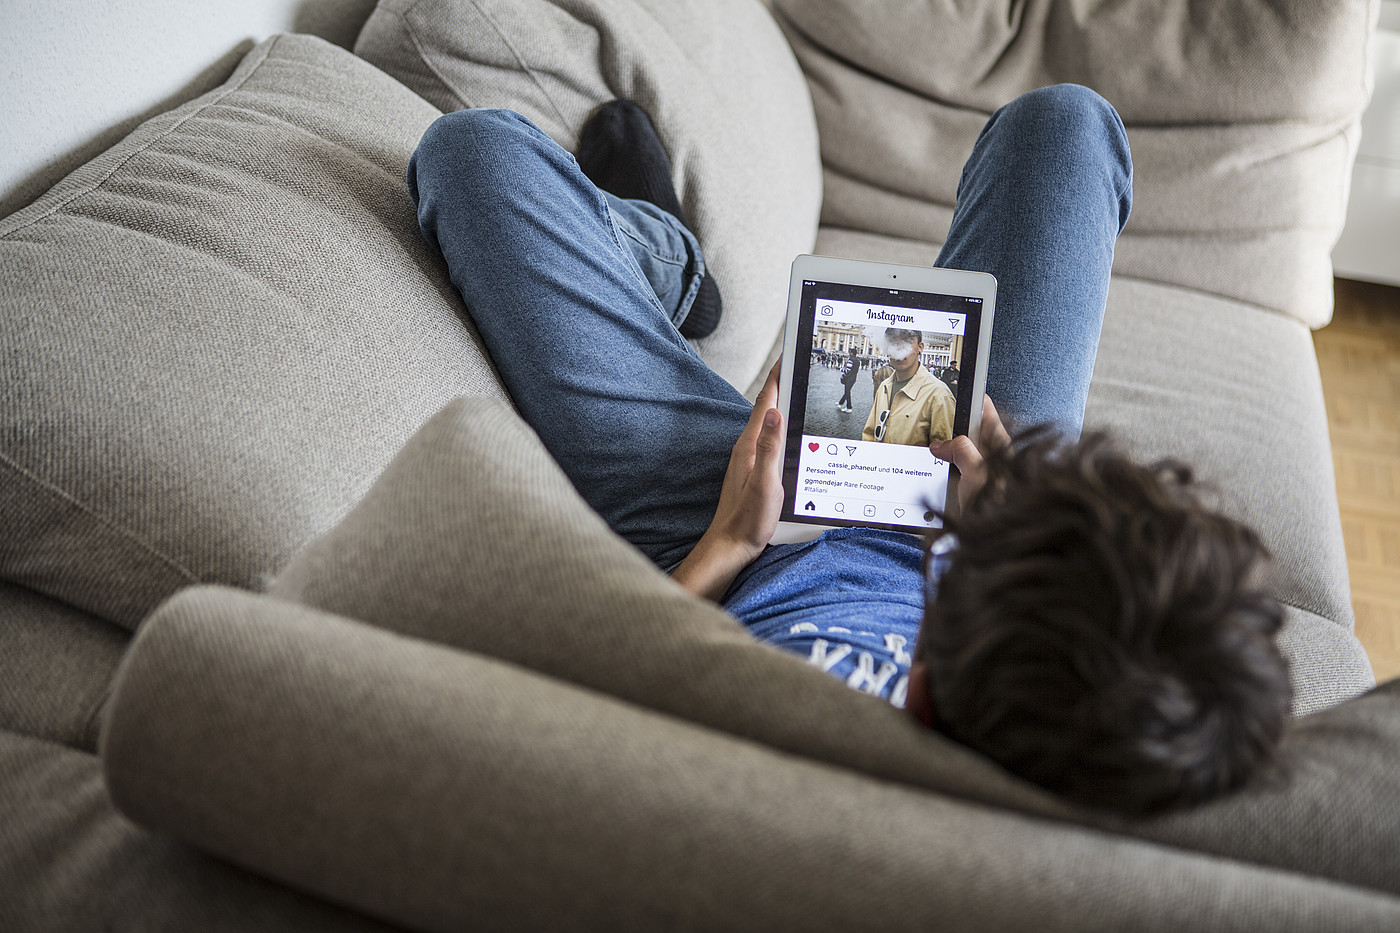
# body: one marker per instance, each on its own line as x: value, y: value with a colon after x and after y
x: 893, y: 375
x: 877, y: 374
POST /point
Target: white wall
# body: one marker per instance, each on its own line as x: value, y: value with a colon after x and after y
x: 78, y: 75
x: 1369, y: 248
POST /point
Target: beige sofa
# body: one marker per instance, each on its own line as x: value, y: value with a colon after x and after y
x: 300, y: 628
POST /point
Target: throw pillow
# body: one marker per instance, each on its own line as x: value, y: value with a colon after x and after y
x: 217, y: 333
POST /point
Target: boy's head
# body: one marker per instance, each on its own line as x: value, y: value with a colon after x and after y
x: 1101, y: 633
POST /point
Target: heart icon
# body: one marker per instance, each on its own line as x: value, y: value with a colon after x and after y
x: 813, y: 446
x: 898, y: 513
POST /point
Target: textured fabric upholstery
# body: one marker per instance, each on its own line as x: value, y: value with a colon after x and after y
x: 744, y: 163
x: 446, y: 790
x: 217, y: 333
x: 1243, y: 118
x: 56, y: 664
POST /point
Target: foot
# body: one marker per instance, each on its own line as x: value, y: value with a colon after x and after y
x: 620, y: 152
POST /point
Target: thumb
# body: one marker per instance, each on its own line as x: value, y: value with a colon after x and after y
x: 959, y: 451
x: 770, y: 436
x: 768, y: 450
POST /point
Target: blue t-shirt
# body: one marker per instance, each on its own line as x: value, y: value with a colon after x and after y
x: 850, y: 602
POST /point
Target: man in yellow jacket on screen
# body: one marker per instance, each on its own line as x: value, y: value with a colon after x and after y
x: 912, y: 406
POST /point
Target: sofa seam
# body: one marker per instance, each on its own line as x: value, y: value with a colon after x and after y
x: 1286, y: 316
x: 89, y: 189
x: 520, y: 60
x: 92, y: 723
x: 418, y: 48
x: 91, y: 513
x: 1318, y: 613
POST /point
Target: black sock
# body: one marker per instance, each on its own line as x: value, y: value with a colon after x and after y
x: 620, y: 152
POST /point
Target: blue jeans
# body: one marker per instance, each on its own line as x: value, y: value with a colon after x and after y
x: 577, y: 295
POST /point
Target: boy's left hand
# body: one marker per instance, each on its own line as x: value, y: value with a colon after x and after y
x: 749, y: 502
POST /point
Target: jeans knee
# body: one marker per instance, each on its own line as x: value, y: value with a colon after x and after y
x: 1077, y: 126
x: 469, y: 145
x: 487, y: 125
x: 1065, y: 108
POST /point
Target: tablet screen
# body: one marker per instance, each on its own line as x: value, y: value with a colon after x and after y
x: 878, y: 373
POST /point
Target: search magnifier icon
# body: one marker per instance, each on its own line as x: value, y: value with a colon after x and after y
x: 840, y: 506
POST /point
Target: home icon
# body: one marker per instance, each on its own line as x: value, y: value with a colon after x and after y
x: 810, y: 507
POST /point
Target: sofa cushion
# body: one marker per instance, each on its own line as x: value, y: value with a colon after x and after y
x: 745, y: 164
x: 473, y: 514
x: 1243, y: 119
x: 1233, y: 390
x: 217, y: 333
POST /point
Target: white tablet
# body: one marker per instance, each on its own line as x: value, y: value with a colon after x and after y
x: 878, y: 360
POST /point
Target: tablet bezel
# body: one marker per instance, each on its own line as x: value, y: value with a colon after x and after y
x: 883, y: 275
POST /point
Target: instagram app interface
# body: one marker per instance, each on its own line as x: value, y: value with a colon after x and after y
x: 877, y: 377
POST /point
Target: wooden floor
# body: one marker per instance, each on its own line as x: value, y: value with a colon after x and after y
x: 1359, y: 356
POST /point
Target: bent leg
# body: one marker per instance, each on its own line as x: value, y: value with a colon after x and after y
x: 547, y: 268
x: 1041, y: 202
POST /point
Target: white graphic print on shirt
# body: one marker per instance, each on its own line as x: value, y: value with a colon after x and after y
x: 864, y: 675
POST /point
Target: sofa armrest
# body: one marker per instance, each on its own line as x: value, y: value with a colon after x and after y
x: 474, y: 539
x: 439, y: 789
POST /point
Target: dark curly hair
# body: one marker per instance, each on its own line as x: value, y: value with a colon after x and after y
x: 1102, y: 633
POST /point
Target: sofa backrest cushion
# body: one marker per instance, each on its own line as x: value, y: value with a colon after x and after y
x: 1243, y: 119
x: 717, y: 78
x: 473, y: 538
x: 217, y: 334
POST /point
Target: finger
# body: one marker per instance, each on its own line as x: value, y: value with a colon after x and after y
x: 767, y: 398
x: 768, y: 395
x: 959, y: 451
x: 768, y: 451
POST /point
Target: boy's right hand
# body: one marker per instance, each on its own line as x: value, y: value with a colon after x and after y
x: 969, y: 457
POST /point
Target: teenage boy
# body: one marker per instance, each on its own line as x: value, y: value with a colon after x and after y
x: 1137, y: 668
